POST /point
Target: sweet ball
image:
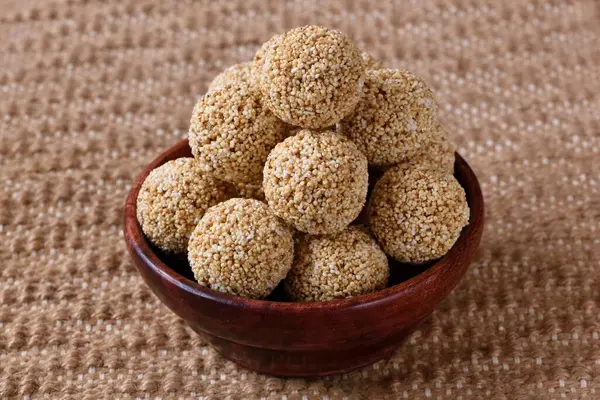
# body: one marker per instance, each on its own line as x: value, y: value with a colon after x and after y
x: 346, y: 264
x: 231, y: 132
x: 240, y: 247
x: 311, y: 76
x: 417, y: 213
x: 394, y: 119
x: 241, y: 72
x: 316, y: 182
x: 438, y: 152
x: 172, y: 200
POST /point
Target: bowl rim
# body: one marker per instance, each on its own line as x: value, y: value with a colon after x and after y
x: 139, y: 246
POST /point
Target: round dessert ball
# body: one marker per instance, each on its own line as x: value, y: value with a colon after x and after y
x: 394, y: 118
x: 417, y: 213
x: 312, y: 76
x: 345, y: 264
x: 237, y: 72
x: 251, y: 190
x: 258, y: 64
x: 231, y: 133
x: 370, y: 61
x: 240, y: 247
x: 316, y: 182
x: 172, y: 200
x: 438, y: 152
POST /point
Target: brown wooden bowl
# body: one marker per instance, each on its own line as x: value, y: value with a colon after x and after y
x: 305, y: 339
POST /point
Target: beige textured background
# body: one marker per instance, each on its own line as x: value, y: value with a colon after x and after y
x: 91, y: 91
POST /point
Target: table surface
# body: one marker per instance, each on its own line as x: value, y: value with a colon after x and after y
x: 91, y: 91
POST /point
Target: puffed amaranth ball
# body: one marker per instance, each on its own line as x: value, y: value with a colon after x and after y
x: 241, y: 72
x: 172, y: 200
x: 370, y: 61
x: 345, y: 264
x: 316, y: 182
x: 231, y: 133
x: 240, y: 247
x: 417, y: 213
x: 394, y: 119
x: 312, y: 76
x: 258, y: 64
x: 251, y: 190
x: 438, y: 152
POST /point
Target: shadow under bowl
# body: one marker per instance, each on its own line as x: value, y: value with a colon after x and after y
x: 305, y: 339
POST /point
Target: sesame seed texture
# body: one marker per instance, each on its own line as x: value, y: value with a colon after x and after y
x: 237, y: 72
x: 346, y: 264
x: 240, y: 247
x: 417, y: 213
x: 311, y: 76
x: 317, y: 182
x: 394, y: 118
x: 370, y: 61
x: 172, y: 200
x: 252, y: 190
x: 231, y: 133
x: 438, y: 151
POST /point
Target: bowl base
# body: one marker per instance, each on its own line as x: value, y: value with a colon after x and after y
x: 303, y: 363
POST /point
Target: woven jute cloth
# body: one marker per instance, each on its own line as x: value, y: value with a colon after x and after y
x: 91, y: 91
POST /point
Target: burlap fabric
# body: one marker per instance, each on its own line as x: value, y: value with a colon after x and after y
x: 91, y: 91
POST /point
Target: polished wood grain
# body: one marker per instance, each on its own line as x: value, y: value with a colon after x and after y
x: 311, y: 339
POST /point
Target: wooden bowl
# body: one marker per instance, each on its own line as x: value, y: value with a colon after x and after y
x: 305, y: 339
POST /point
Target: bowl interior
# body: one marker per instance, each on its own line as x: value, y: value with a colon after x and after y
x: 402, y: 276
